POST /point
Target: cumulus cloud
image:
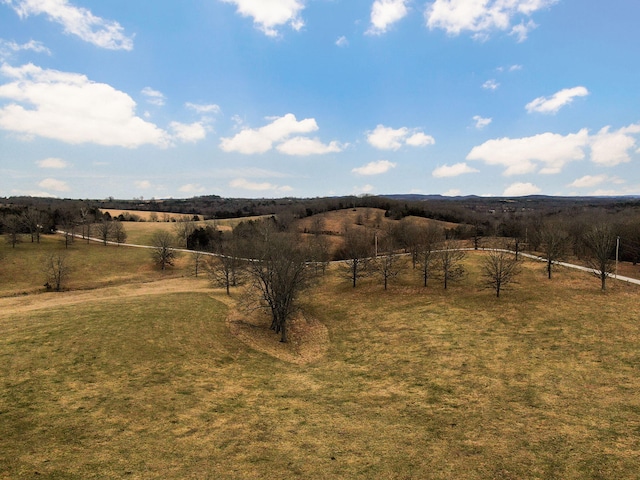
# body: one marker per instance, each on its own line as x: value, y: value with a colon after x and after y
x: 53, y: 184
x: 260, y: 140
x: 420, y: 139
x: 521, y: 189
x: 524, y: 155
x: 548, y: 153
x: 483, y: 17
x: 387, y: 138
x: 453, y: 170
x: 304, y: 146
x: 142, y: 184
x: 56, y: 163
x: 556, y: 101
x: 269, y: 14
x: 188, y: 132
x: 589, y: 181
x: 481, y: 122
x: 244, y: 184
x: 374, y: 168
x: 71, y: 108
x: 76, y: 21
x: 385, y: 13
x: 612, y: 148
x: 154, y: 97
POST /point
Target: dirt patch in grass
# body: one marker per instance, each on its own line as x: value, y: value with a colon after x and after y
x: 308, y: 337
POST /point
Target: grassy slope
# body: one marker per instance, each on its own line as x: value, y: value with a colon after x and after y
x: 416, y: 384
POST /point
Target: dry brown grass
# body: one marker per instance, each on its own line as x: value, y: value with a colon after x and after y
x: 334, y: 222
x: 145, y: 380
x: 147, y: 216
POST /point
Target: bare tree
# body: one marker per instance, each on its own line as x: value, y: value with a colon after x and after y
x: 33, y: 220
x: 118, y: 232
x: 499, y: 269
x: 279, y: 272
x: 56, y: 269
x: 449, y: 262
x: 553, y: 241
x: 163, y: 253
x: 357, y: 252
x: 68, y: 225
x: 13, y: 229
x: 86, y: 223
x: 198, y: 258
x: 104, y: 229
x: 319, y: 253
x: 225, y: 269
x: 388, y: 266
x: 600, y: 241
x: 183, y: 228
x: 428, y: 242
x: 407, y: 234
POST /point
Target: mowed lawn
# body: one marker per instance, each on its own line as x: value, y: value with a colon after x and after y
x: 416, y: 383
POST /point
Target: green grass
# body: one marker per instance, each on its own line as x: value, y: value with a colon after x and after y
x: 417, y: 383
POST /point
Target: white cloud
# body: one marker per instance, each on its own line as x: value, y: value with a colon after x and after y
x: 523, y: 155
x: 612, y: 148
x: 556, y: 101
x: 482, y: 17
x: 76, y: 21
x: 244, y: 184
x: 71, y: 108
x: 143, y: 184
x: 269, y: 14
x: 154, y: 97
x: 56, y: 163
x: 303, y: 146
x: 453, y: 170
x: 6, y: 47
x: 188, y: 133
x: 386, y: 12
x: 53, y: 184
x: 342, y: 41
x: 454, y: 192
x: 490, y: 85
x: 420, y: 139
x: 481, y: 122
x: 521, y: 189
x: 515, y: 68
x: 386, y: 138
x: 521, y: 31
x: 203, y: 108
x: 374, y: 168
x: 278, y: 132
x: 589, y: 181
x: 192, y: 188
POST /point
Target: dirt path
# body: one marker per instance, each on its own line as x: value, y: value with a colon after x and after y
x: 11, y: 306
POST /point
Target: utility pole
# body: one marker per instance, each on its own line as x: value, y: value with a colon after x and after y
x: 617, y: 250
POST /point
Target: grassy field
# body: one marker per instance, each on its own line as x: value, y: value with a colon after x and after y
x: 139, y: 376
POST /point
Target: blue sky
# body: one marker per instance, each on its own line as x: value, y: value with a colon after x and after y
x: 305, y: 98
